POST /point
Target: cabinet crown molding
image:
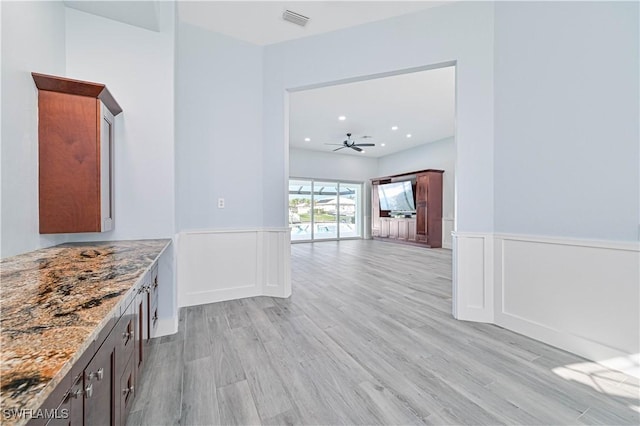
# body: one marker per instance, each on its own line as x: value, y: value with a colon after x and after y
x: 53, y: 83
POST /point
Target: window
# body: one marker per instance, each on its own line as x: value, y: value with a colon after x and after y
x: 324, y: 210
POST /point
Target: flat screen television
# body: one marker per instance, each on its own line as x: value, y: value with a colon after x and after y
x: 397, y: 197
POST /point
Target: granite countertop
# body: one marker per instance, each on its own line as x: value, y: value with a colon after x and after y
x: 53, y: 303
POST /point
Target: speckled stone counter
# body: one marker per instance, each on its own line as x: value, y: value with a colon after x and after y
x: 54, y: 302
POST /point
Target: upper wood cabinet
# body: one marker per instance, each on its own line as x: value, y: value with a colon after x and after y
x: 75, y: 148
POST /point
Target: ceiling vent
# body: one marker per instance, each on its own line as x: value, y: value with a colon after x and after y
x: 295, y: 18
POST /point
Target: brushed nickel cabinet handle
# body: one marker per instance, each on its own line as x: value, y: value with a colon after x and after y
x: 75, y: 394
x: 128, y: 390
x: 88, y: 392
x: 97, y: 375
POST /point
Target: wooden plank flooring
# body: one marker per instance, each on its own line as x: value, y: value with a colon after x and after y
x: 367, y: 338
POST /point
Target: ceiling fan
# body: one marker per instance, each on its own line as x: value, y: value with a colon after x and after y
x: 350, y: 143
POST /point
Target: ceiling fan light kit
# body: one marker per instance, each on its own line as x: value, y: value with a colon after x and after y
x: 350, y: 143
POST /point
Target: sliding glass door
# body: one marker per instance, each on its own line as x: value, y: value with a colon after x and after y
x: 350, y: 212
x: 324, y: 210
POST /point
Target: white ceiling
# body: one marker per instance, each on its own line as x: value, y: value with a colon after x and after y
x: 421, y: 104
x: 142, y: 14
x: 260, y: 22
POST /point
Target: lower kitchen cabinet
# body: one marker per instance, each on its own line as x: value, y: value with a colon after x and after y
x: 101, y: 386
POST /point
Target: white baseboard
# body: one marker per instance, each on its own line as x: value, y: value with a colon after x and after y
x: 581, y: 296
x: 219, y: 265
x: 166, y: 326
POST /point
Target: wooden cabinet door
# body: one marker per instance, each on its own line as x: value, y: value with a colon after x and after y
x: 98, y: 387
x: 411, y: 230
x: 125, y: 392
x: 393, y: 228
x: 403, y: 229
x: 422, y: 193
x: 422, y: 188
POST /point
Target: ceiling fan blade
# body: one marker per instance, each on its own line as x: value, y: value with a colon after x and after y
x: 338, y: 149
x: 356, y: 148
x: 365, y: 144
x: 364, y: 137
x: 334, y: 144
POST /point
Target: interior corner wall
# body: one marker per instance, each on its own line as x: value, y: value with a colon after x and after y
x: 219, y: 151
x: 33, y: 39
x: 304, y: 163
x: 218, y: 130
x: 137, y: 65
x: 567, y: 183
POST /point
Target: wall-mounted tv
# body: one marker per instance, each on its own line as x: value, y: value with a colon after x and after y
x: 397, y: 197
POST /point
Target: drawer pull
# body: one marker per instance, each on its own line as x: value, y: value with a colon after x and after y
x: 127, y: 335
x: 75, y: 394
x: 97, y: 375
x: 127, y: 391
x: 88, y: 392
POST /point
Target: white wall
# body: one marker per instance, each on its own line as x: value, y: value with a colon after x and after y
x: 219, y: 153
x: 461, y: 32
x: 315, y: 164
x: 218, y: 130
x: 567, y: 119
x: 567, y: 176
x: 33, y: 39
x: 137, y: 65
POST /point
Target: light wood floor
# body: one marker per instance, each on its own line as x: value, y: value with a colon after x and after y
x: 367, y: 338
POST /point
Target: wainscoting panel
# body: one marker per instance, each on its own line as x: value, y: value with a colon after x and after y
x: 214, y: 266
x: 581, y: 296
x: 473, y: 277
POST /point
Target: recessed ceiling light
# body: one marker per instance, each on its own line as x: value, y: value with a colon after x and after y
x: 342, y: 118
x: 362, y: 152
x: 381, y: 144
x: 394, y: 128
x: 307, y: 139
x: 408, y: 135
